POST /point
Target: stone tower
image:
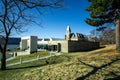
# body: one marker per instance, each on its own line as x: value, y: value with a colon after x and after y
x: 68, y: 32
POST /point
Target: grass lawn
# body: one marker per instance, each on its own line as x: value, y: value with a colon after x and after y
x: 100, y: 64
x: 14, y: 70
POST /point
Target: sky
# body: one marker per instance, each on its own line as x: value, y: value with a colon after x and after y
x: 54, y: 21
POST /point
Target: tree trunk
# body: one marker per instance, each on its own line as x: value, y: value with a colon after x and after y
x: 118, y: 34
x: 3, y: 61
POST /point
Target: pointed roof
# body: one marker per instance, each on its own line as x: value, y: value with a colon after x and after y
x: 68, y: 28
x: 77, y: 36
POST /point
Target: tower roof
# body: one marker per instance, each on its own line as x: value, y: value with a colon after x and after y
x: 68, y: 28
x: 77, y: 36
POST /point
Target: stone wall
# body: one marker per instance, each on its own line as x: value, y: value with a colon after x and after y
x: 74, y: 46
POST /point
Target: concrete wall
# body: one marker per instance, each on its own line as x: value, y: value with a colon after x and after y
x: 29, y: 43
x: 74, y: 46
x: 33, y: 44
x: 63, y: 44
x: 23, y: 44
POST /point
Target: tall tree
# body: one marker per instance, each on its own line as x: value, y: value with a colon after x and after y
x: 16, y: 14
x: 105, y: 11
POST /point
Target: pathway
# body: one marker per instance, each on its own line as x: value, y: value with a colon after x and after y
x: 38, y: 58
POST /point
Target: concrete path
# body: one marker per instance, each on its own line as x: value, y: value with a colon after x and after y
x: 11, y: 55
x: 38, y: 58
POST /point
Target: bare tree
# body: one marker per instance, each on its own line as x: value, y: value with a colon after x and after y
x: 14, y: 16
x: 108, y: 36
x: 105, y: 35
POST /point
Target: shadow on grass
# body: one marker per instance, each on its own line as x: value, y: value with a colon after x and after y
x: 116, y: 78
x: 95, y: 69
x: 94, y: 49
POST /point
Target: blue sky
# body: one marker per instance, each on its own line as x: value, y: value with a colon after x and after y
x: 55, y: 21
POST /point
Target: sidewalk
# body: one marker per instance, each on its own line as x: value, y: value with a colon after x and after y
x: 38, y: 58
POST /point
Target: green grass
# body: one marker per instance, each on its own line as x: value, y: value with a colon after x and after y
x: 98, y: 64
x: 14, y: 70
x: 42, y: 62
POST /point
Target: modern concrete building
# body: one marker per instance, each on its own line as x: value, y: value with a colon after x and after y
x: 73, y: 42
x: 43, y: 43
x: 29, y: 43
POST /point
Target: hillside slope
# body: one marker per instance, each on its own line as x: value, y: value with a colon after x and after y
x: 101, y: 64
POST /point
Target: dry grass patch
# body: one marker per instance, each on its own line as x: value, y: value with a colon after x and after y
x: 82, y: 68
x: 101, y: 64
